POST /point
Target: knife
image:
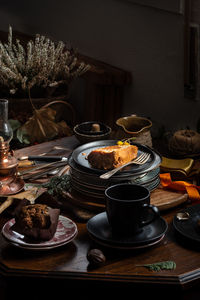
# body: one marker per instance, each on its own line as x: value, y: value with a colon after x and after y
x: 42, y: 171
x: 42, y: 166
x: 44, y: 158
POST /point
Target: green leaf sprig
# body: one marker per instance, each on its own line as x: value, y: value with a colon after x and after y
x: 57, y: 184
x: 162, y: 265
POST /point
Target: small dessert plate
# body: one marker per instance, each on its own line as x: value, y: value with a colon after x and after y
x: 66, y: 231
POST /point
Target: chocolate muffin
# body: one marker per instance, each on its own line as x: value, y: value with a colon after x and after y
x: 36, y: 221
x: 34, y: 216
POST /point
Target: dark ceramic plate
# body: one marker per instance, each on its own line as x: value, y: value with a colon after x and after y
x: 99, y: 191
x: 190, y: 228
x: 80, y: 154
x: 99, y: 228
x: 129, y: 247
x: 95, y: 185
x: 94, y: 178
x: 100, y: 195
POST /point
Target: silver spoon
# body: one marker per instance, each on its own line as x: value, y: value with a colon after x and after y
x: 182, y: 216
x: 53, y: 172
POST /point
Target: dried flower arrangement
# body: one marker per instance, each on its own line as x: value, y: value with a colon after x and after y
x: 41, y: 65
x: 37, y: 70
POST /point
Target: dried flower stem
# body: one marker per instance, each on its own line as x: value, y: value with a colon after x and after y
x: 41, y: 64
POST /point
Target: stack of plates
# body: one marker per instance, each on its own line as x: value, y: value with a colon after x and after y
x: 86, y: 180
x: 65, y: 233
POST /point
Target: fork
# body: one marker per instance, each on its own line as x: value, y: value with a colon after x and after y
x: 140, y: 160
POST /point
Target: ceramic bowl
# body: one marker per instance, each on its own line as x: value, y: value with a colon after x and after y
x: 84, y: 133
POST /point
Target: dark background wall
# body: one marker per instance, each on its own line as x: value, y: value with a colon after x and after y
x: 145, y: 38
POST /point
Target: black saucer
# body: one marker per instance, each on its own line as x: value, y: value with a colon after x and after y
x: 189, y: 229
x: 99, y: 229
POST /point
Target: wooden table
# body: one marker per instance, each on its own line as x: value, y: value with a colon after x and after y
x: 67, y: 267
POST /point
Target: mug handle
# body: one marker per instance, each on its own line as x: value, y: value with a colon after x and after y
x: 155, y: 211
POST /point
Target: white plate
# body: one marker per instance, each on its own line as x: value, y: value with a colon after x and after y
x: 66, y: 231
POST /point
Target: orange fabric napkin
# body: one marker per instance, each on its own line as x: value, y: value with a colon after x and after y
x: 191, y: 189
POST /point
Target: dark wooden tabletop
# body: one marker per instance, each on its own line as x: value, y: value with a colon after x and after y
x: 69, y: 263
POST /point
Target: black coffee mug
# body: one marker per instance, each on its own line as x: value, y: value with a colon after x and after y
x: 128, y: 208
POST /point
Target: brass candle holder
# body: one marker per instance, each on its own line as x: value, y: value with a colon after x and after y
x: 10, y: 183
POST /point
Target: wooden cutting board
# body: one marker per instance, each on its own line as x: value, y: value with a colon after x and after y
x: 165, y: 199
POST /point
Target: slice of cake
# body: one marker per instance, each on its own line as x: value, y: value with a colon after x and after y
x: 110, y: 157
